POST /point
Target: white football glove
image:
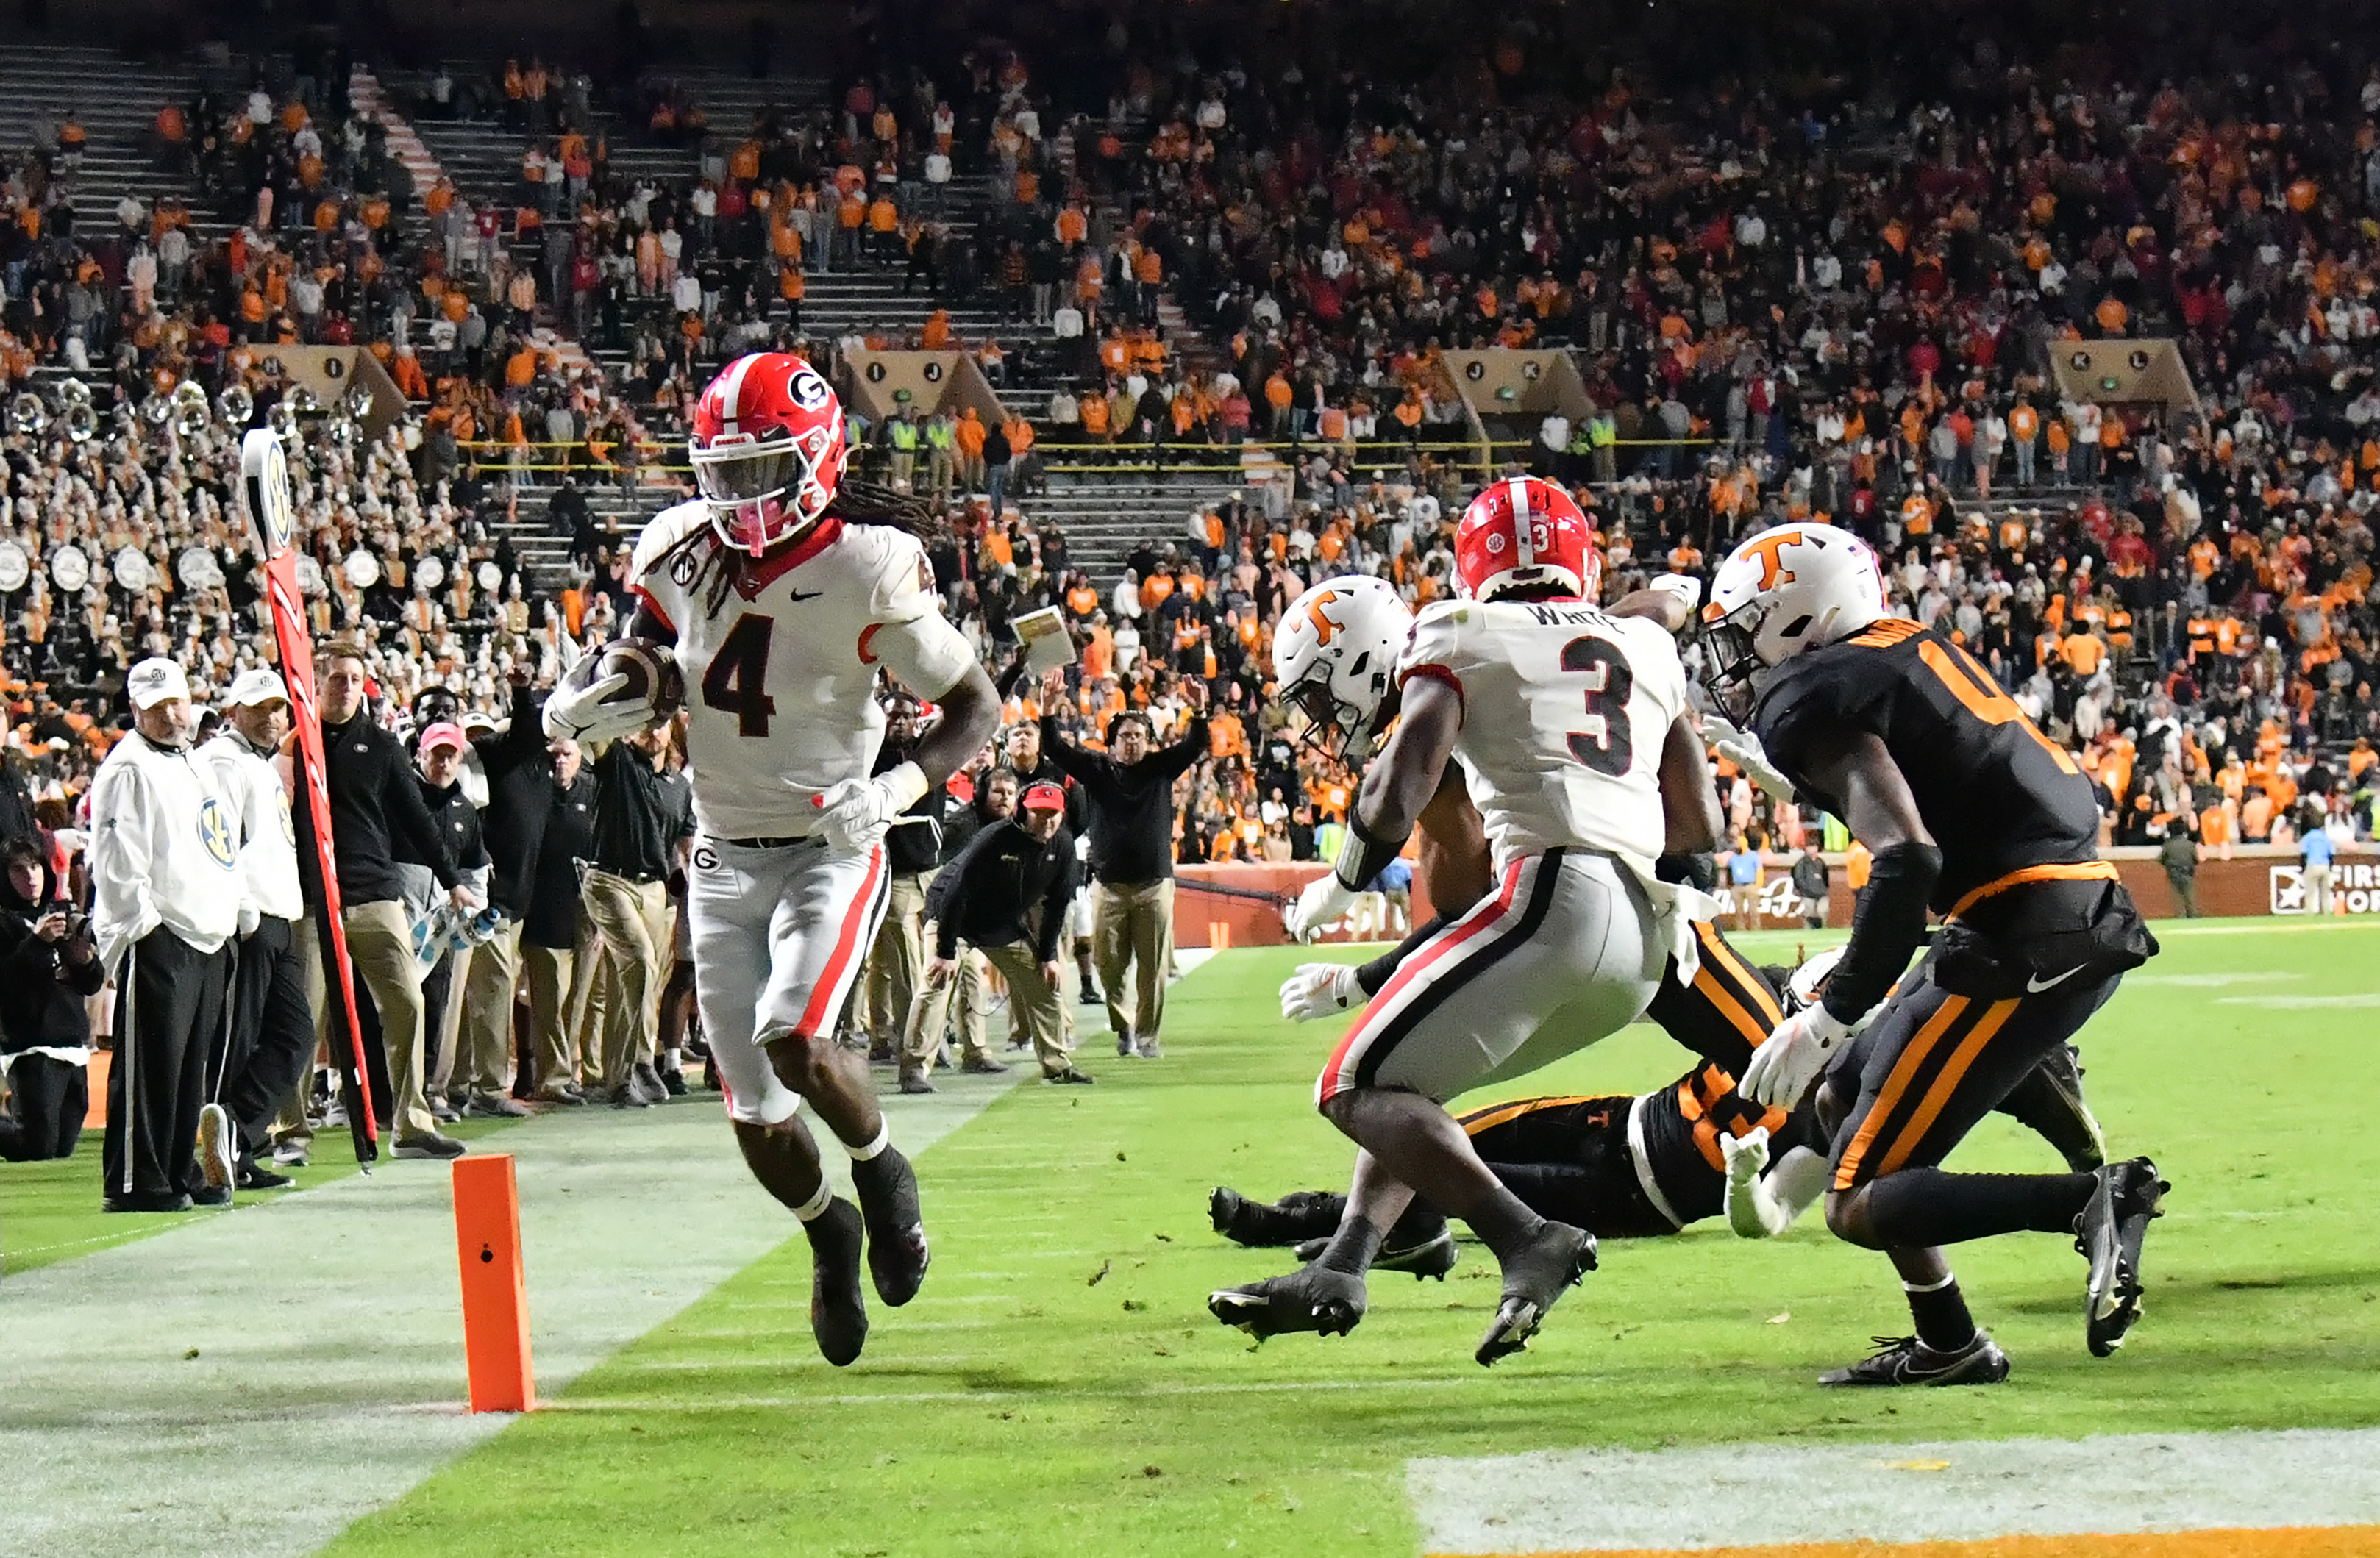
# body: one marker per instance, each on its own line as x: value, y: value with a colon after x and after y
x: 1784, y: 1066
x: 1320, y: 990
x: 1325, y: 898
x: 855, y: 813
x: 1742, y: 749
x: 1747, y: 1154
x: 1685, y: 587
x: 580, y: 714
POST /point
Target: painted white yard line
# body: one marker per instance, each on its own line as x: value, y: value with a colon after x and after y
x: 2299, y: 1002
x: 252, y: 1382
x: 1746, y: 1495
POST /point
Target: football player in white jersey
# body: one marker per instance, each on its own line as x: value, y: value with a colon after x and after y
x: 1582, y: 761
x: 782, y: 591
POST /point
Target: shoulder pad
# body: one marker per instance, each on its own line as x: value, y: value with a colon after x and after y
x: 666, y: 530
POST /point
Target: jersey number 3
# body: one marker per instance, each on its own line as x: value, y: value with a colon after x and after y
x: 1607, y: 748
x: 736, y: 681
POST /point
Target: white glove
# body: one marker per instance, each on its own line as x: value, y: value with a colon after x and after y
x: 1742, y: 749
x: 1319, y: 990
x: 1747, y: 1154
x: 1783, y: 1067
x: 1325, y: 898
x: 581, y: 715
x: 855, y: 813
x: 1685, y: 587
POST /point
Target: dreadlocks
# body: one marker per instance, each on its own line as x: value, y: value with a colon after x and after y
x: 855, y: 502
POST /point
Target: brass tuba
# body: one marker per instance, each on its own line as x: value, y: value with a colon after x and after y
x: 190, y: 411
x: 26, y: 415
x: 81, y: 418
x: 236, y: 407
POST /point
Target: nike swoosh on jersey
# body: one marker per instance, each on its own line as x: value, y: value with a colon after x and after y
x: 800, y: 594
x: 2037, y: 985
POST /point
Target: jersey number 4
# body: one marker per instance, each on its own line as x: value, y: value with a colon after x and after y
x: 736, y: 682
x: 1607, y: 748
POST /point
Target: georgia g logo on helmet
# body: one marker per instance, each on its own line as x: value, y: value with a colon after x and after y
x: 768, y: 450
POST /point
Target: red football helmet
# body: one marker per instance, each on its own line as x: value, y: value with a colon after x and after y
x: 1525, y: 531
x: 768, y: 450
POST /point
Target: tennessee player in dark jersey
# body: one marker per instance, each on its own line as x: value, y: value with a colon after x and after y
x: 1970, y: 811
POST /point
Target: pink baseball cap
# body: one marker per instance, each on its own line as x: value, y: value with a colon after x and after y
x: 444, y: 733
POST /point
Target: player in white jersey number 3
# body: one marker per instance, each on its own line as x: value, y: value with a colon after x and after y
x: 783, y: 592
x: 1573, y: 735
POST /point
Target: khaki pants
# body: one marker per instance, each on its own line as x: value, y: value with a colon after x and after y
x: 483, y: 1061
x: 1035, y: 1007
x: 589, y: 1000
x: 1132, y: 926
x: 380, y: 945
x: 551, y: 972
x: 930, y: 1014
x: 894, y: 965
x: 632, y: 923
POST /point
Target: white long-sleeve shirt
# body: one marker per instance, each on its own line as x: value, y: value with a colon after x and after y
x: 164, y: 851
x: 262, y: 829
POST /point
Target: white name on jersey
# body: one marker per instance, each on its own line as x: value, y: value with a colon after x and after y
x: 1565, y: 712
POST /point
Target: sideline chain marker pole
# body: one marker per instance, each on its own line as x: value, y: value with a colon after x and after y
x: 495, y: 1292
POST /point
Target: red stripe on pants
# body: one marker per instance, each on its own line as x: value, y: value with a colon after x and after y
x: 1465, y: 929
x: 846, y: 945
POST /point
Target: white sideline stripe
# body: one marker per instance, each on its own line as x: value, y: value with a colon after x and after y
x: 2296, y: 924
x: 251, y: 1382
x: 2299, y: 1002
x: 1068, y: 1393
x: 2210, y: 981
x: 1748, y: 1495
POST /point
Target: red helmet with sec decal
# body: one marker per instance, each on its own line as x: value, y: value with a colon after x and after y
x: 768, y: 448
x: 1522, y: 532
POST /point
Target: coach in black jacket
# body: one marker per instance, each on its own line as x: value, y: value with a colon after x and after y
x: 1005, y: 896
x: 520, y: 797
x: 1130, y: 795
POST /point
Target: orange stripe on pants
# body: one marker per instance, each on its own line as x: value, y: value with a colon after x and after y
x: 1904, y: 1072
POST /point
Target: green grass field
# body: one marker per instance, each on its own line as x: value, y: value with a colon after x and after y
x: 1059, y: 1386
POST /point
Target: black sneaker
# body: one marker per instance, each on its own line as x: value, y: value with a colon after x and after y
x: 1123, y: 1046
x: 628, y: 1096
x: 838, y: 1312
x: 1147, y: 1049
x: 254, y: 1176
x: 896, y: 1229
x: 494, y: 1107
x: 1432, y: 1256
x: 2109, y: 1234
x: 1294, y: 1219
x: 143, y: 1202
x: 649, y: 1081
x: 1536, y: 1274
x: 673, y: 1080
x: 1905, y: 1361
x: 1090, y: 997
x: 1070, y: 1078
x: 1309, y: 1299
x: 915, y: 1082
x: 288, y: 1155
x: 212, y: 1195
x: 983, y: 1066
x: 429, y: 1146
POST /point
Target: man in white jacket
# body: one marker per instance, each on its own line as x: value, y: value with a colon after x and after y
x: 271, y: 1043
x: 164, y: 867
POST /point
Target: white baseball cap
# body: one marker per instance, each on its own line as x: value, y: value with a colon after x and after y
x: 258, y: 685
x: 153, y: 681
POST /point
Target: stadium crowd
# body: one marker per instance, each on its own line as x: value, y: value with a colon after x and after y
x: 1781, y: 306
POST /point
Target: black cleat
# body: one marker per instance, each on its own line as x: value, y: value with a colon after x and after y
x: 838, y: 1312
x: 1905, y: 1361
x: 2108, y: 1235
x: 1536, y: 1274
x: 1294, y: 1218
x: 1432, y: 1256
x: 1330, y: 1303
x: 896, y: 1229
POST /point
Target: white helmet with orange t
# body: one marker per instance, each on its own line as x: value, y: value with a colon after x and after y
x: 1792, y: 588
x: 1334, y: 655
